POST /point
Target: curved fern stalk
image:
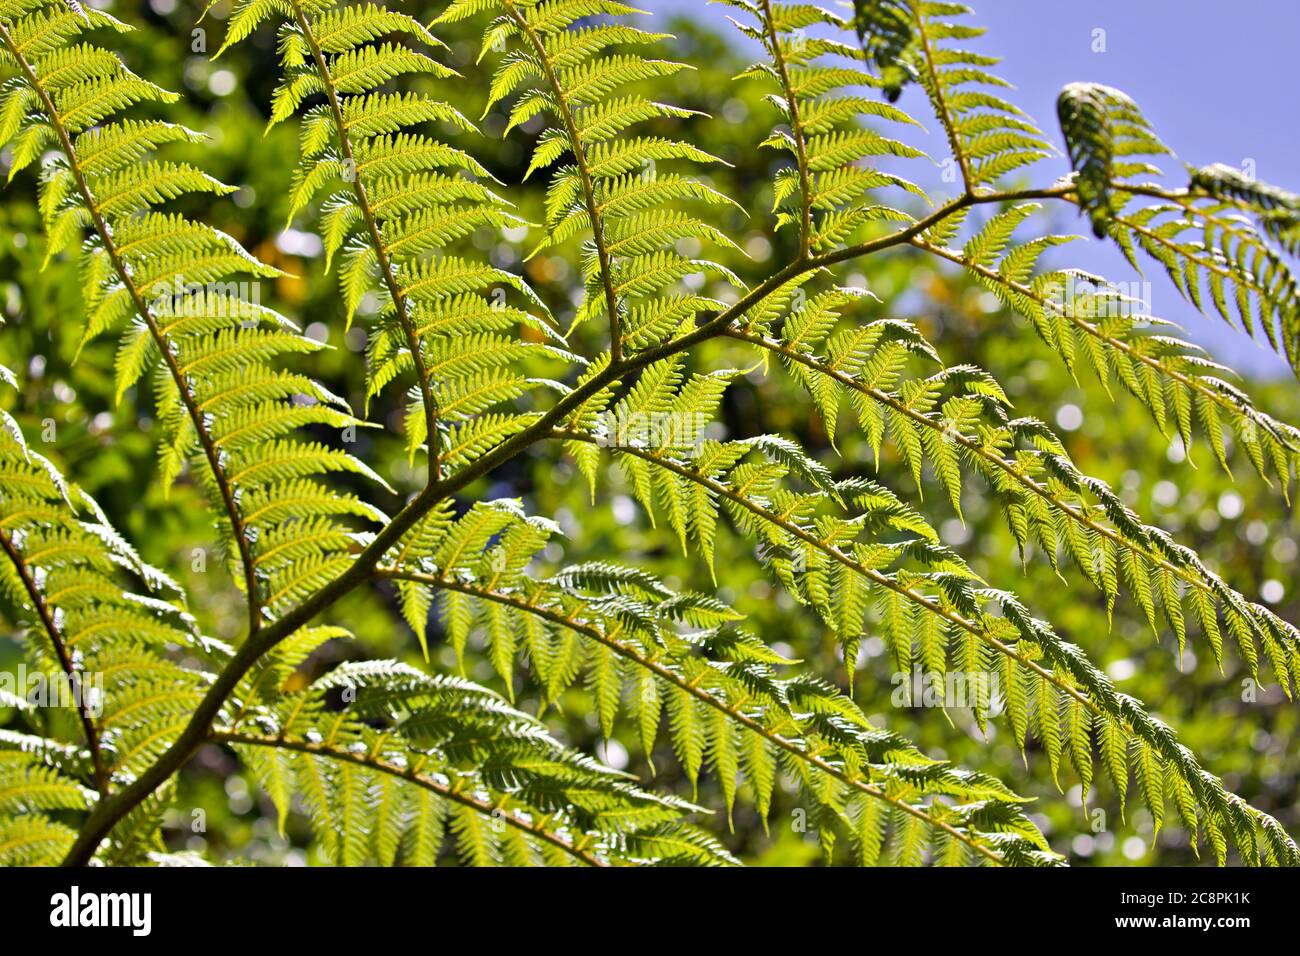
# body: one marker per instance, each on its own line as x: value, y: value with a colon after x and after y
x: 80, y: 692
x: 962, y: 412
x: 611, y: 187
x: 218, y: 393
x: 1076, y: 313
x: 103, y: 652
x: 926, y: 608
x: 919, y: 39
x: 588, y: 394
x: 410, y: 756
x: 1203, y: 235
x: 400, y: 209
x: 725, y: 704
x: 827, y: 193
x: 138, y: 839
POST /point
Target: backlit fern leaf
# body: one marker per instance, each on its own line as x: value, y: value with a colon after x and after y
x: 173, y: 283
x: 829, y: 191
x: 401, y: 203
x: 563, y: 67
x: 1203, y: 235
x: 958, y: 418
x: 508, y: 791
x: 822, y: 558
x: 725, y: 706
x: 398, y: 765
x: 989, y: 136
x: 1088, y: 321
x: 103, y: 654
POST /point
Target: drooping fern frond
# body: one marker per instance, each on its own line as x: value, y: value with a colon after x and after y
x: 560, y: 67
x: 408, y: 759
x: 958, y: 417
x: 1085, y: 320
x: 961, y: 413
x: 171, y: 281
x: 930, y: 605
x: 401, y: 202
x: 453, y: 757
x: 644, y: 647
x: 1200, y: 235
x: 1276, y: 211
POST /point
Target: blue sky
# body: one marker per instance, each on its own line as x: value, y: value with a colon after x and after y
x: 1218, y: 81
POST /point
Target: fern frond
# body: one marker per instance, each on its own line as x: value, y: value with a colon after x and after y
x: 172, y: 281
x: 958, y: 417
x: 395, y: 765
x: 683, y: 650
x: 496, y: 775
x: 393, y: 208
x: 563, y: 67
x: 829, y: 191
x: 1199, y: 235
x: 100, y: 645
x: 691, y: 683
x: 922, y: 40
x: 822, y: 560
x: 1086, y: 320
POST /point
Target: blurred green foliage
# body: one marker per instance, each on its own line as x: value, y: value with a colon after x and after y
x: 1244, y: 529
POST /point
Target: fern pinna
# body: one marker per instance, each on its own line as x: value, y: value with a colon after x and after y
x: 401, y: 201
x: 576, y: 75
x: 398, y: 763
x: 226, y: 409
